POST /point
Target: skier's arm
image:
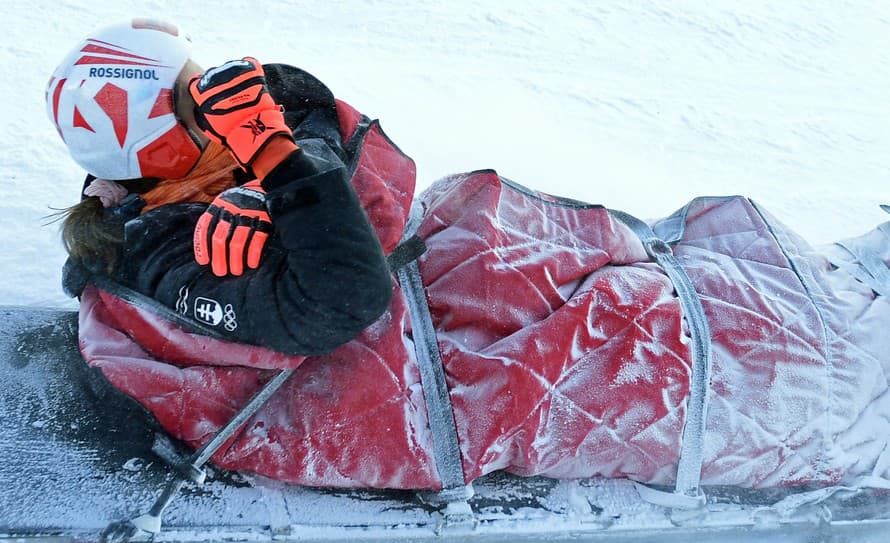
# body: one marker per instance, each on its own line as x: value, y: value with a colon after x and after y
x: 233, y: 107
x: 323, y: 278
x: 336, y: 280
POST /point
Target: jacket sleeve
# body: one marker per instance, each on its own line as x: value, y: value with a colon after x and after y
x: 322, y: 279
x: 336, y: 280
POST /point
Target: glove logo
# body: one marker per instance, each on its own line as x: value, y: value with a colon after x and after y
x: 208, y: 311
x: 256, y: 126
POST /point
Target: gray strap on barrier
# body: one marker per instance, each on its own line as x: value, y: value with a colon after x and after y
x: 405, y: 252
x: 432, y: 378
x: 871, y: 269
x: 692, y: 448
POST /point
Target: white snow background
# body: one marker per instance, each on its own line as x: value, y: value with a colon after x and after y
x: 636, y: 105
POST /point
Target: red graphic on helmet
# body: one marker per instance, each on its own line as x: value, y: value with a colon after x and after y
x: 128, y: 58
x: 116, y: 55
x: 113, y: 101
x: 56, y: 94
x: 79, y: 121
x: 163, y: 104
x: 171, y: 155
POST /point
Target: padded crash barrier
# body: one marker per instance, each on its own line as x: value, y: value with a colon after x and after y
x: 455, y: 492
x: 687, y: 493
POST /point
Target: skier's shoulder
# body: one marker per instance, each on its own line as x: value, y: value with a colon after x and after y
x: 297, y: 89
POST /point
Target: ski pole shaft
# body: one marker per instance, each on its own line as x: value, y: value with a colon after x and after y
x: 151, y: 522
x: 202, y: 455
x: 167, y: 496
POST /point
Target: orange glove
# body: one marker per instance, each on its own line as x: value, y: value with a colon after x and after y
x: 233, y: 107
x: 233, y: 230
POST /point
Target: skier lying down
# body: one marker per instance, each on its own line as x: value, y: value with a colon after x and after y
x: 221, y: 240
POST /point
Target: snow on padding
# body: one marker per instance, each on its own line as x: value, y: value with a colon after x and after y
x: 565, y: 352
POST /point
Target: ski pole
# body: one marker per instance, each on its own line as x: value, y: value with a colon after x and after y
x: 122, y: 531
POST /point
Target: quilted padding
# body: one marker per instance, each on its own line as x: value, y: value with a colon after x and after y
x: 565, y: 350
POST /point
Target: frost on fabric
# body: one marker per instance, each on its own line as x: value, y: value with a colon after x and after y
x: 786, y: 384
x: 566, y: 355
x: 554, y: 382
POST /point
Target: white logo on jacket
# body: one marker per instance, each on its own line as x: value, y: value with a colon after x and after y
x: 229, y: 316
x: 208, y: 311
x: 211, y: 312
x: 182, y: 304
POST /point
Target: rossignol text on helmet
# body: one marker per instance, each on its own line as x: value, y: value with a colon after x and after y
x: 111, y: 100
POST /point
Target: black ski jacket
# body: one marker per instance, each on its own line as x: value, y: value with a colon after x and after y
x: 323, y: 276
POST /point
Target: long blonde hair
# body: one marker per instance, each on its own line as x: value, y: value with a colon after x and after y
x: 91, y: 235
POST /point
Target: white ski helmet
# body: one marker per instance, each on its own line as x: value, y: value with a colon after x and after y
x: 112, y: 101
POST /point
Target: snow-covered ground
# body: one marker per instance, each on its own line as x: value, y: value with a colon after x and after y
x: 636, y: 105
